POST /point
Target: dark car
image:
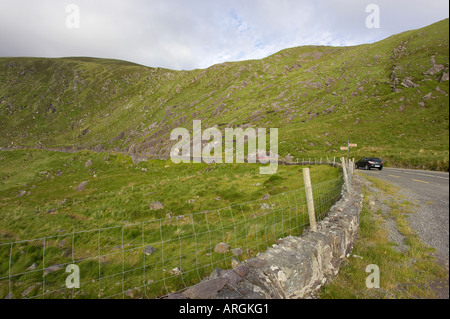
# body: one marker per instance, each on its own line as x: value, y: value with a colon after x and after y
x: 369, y: 163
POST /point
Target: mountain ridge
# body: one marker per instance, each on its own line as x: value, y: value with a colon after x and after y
x: 390, y: 97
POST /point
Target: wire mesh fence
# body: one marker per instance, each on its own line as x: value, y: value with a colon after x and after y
x: 157, y: 257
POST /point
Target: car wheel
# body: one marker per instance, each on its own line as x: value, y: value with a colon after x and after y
x: 367, y: 167
x: 380, y: 169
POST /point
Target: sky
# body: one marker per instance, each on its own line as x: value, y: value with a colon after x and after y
x: 191, y: 34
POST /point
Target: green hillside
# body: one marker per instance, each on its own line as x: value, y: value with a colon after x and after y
x: 390, y: 97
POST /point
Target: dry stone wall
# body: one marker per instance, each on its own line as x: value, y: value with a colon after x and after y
x: 295, y: 267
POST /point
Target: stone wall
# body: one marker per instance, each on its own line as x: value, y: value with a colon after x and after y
x: 294, y: 267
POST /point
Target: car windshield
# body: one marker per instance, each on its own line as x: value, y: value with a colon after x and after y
x: 374, y: 159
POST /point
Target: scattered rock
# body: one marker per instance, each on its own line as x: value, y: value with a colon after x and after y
x: 265, y: 206
x: 436, y: 68
x: 144, y: 170
x: 408, y: 82
x: 428, y: 96
x: 88, y: 163
x: 149, y: 250
x: 81, y: 187
x: 156, y: 206
x: 26, y: 292
x: 438, y: 89
x: 222, y: 248
x: 330, y: 110
x: 32, y: 267
x: 175, y: 272
x: 21, y: 194
x: 52, y: 269
x: 265, y: 197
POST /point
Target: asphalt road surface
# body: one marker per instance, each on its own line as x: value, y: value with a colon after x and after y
x: 430, y: 191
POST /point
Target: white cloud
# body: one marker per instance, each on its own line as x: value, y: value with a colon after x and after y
x: 182, y: 34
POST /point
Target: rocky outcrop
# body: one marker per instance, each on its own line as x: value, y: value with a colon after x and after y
x: 293, y: 268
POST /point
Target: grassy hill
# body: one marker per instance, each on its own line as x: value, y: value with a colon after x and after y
x: 390, y: 97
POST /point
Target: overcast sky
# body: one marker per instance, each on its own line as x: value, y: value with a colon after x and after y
x: 189, y: 34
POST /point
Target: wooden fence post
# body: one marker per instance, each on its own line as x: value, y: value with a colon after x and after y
x: 309, y: 199
x: 344, y: 168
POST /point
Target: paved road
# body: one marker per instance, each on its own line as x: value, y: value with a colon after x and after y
x: 429, y: 190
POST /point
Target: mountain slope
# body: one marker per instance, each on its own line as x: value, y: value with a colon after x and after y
x: 390, y: 97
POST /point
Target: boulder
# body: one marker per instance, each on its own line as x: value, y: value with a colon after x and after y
x: 222, y: 248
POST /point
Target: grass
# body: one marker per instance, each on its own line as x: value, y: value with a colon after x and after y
x: 105, y: 227
x: 403, y: 275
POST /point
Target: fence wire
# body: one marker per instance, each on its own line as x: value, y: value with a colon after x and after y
x: 158, y: 257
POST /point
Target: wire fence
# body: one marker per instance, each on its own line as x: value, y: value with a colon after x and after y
x: 157, y: 257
